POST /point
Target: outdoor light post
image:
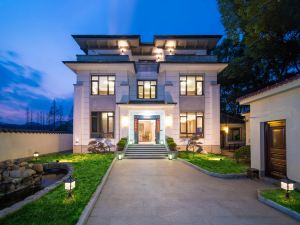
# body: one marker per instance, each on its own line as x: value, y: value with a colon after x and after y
x: 36, y: 155
x: 287, y: 185
x: 69, y: 185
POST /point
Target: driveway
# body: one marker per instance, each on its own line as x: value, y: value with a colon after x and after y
x: 164, y: 192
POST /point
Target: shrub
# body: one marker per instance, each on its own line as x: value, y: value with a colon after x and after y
x: 171, y: 143
x: 243, y: 153
x: 121, y: 144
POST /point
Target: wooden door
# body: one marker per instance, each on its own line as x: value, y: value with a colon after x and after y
x: 276, y: 149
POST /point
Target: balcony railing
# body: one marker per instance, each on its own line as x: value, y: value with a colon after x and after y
x: 191, y: 58
x: 102, y: 58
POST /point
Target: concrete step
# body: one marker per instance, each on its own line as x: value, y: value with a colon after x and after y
x: 146, y: 157
x: 147, y: 151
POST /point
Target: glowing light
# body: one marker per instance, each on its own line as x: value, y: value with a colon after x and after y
x: 77, y: 141
x: 170, y: 156
x: 226, y: 129
x: 124, y: 121
x: 169, y: 121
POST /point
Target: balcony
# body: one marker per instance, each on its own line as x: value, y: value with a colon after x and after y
x: 102, y: 58
x: 191, y: 58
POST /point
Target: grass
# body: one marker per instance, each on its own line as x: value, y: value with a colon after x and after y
x: 278, y: 196
x: 214, y: 163
x: 54, y: 207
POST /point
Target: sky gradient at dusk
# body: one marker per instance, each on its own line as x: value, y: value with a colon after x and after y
x: 35, y: 36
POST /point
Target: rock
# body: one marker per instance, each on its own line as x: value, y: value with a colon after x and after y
x: 23, y: 164
x: 5, y: 173
x: 28, y: 173
x: 2, y: 165
x: 11, y: 187
x: 16, y: 173
x: 16, y: 180
x: 14, y: 167
x: 30, y: 165
x: 38, y: 168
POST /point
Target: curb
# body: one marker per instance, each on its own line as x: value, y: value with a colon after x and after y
x: 218, y: 175
x: 277, y: 206
x: 90, y: 205
x: 15, y: 207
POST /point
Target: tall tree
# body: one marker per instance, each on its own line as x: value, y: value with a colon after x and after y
x: 262, y: 45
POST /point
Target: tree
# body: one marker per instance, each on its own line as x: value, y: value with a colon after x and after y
x: 262, y: 45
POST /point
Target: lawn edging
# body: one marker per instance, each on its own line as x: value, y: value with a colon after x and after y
x: 90, y: 205
x: 15, y: 207
x: 213, y: 174
x: 277, y: 206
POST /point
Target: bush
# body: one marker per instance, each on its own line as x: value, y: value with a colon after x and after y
x: 171, y: 143
x: 121, y: 144
x: 243, y: 153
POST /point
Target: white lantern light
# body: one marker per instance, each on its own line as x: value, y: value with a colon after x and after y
x: 120, y: 156
x: 35, y: 155
x: 170, y: 156
x: 69, y: 185
x: 288, y: 185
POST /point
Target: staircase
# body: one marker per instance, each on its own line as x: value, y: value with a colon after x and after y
x: 146, y: 151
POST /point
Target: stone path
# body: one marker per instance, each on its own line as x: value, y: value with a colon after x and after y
x: 164, y: 192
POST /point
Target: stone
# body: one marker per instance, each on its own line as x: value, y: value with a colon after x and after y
x: 16, y: 180
x: 23, y: 164
x: 16, y: 173
x: 11, y: 187
x: 28, y: 173
x: 5, y: 173
x: 14, y: 167
x: 2, y: 165
x: 38, y: 168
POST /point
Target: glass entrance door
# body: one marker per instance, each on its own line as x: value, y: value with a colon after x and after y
x: 146, y: 131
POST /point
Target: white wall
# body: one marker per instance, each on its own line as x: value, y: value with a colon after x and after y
x: 21, y: 145
x: 282, y: 106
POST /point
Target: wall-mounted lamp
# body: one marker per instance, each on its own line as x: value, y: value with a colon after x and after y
x: 171, y: 51
x: 124, y: 121
x: 226, y: 129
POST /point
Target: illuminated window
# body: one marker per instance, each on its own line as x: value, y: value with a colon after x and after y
x: 147, y: 89
x: 102, y: 125
x: 103, y: 84
x: 191, y: 123
x: 234, y: 134
x: 191, y: 85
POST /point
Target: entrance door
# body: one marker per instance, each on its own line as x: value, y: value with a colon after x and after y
x: 276, y: 149
x: 146, y: 131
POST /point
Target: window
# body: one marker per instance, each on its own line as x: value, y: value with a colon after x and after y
x: 147, y: 89
x: 103, y: 84
x: 191, y: 123
x: 234, y: 134
x: 102, y: 124
x: 191, y: 85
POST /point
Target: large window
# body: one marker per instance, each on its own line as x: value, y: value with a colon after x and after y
x: 234, y: 134
x: 102, y: 124
x: 103, y: 84
x: 191, y: 85
x: 147, y: 89
x: 191, y: 123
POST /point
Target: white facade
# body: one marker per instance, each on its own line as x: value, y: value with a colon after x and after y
x: 279, y: 103
x: 168, y: 103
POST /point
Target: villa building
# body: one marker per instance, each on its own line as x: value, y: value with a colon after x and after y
x: 146, y: 91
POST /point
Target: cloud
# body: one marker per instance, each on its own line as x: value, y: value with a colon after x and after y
x: 21, y: 88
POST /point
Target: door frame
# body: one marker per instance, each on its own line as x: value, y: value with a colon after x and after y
x: 136, y: 126
x: 268, y: 125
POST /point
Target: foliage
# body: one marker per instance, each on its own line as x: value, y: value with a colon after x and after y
x: 243, y: 153
x: 171, y: 143
x: 96, y: 146
x: 278, y: 196
x: 54, y: 207
x: 262, y: 46
x: 214, y: 162
x: 122, y: 143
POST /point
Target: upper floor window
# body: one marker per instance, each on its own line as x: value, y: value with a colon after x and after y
x: 147, y: 89
x: 102, y: 124
x: 191, y: 85
x: 103, y: 84
x: 191, y: 123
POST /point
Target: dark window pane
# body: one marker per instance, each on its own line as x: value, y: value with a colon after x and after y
x: 94, y: 124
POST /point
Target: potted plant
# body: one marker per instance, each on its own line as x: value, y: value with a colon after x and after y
x: 172, y: 148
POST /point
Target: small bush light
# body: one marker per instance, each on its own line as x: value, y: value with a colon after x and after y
x: 170, y: 156
x: 288, y: 185
x: 36, y: 155
x: 69, y: 185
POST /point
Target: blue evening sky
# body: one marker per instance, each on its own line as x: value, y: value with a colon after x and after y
x: 35, y: 36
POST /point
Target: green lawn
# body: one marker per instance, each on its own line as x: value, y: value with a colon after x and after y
x: 278, y: 196
x: 214, y: 163
x: 54, y: 207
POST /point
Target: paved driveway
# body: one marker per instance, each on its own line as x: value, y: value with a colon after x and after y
x: 159, y: 192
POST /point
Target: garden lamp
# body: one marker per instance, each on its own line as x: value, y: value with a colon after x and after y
x: 69, y: 185
x: 35, y: 155
x: 288, y: 185
x: 170, y: 156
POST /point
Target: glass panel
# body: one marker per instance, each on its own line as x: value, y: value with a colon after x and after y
x: 182, y: 77
x: 153, y: 82
x: 94, y: 88
x: 199, y: 88
x: 111, y: 78
x: 94, y: 77
x: 94, y: 114
x: 94, y: 124
x: 111, y: 124
x: 199, y: 78
x: 277, y: 138
x: 199, y: 113
x: 191, y: 85
x: 199, y: 125
x: 103, y: 85
x: 183, y: 88
x: 153, y: 92
x: 140, y: 91
x: 104, y: 123
x: 182, y: 124
x: 147, y: 89
x: 140, y: 82
x: 111, y: 86
x: 191, y: 123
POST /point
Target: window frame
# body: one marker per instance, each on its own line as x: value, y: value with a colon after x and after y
x: 196, y: 84
x: 143, y: 86
x: 99, y: 133
x: 98, y: 84
x: 186, y: 134
x: 230, y: 134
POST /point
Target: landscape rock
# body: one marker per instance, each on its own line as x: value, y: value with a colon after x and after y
x: 28, y: 173
x: 38, y: 168
x: 23, y: 164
